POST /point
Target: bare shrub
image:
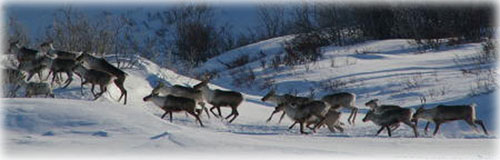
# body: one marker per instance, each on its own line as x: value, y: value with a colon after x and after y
x: 443, y: 90
x: 276, y: 62
x: 307, y: 66
x: 337, y: 85
x: 303, y: 48
x: 424, y: 45
x: 243, y: 77
x: 333, y: 85
x: 484, y: 83
x: 348, y: 62
x: 268, y: 83
x: 486, y: 56
x: 435, y: 75
x: 488, y: 52
x: 263, y: 63
x: 455, y: 41
x: 364, y: 51
x: 73, y: 31
x: 238, y: 62
x: 432, y: 93
x: 191, y: 32
x: 480, y: 88
x: 481, y: 67
x: 272, y: 19
x: 413, y: 82
x: 332, y: 62
x: 435, y: 92
x: 17, y: 31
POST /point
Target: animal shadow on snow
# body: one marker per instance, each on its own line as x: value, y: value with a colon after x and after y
x: 248, y: 129
x: 259, y: 102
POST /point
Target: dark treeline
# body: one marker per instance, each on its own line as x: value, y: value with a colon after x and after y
x: 346, y: 23
x: 184, y: 36
x: 428, y: 27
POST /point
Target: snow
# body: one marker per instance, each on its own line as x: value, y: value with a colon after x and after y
x: 380, y: 73
x: 71, y: 125
x: 268, y: 47
x: 45, y: 126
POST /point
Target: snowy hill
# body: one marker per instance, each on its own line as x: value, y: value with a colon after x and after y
x: 389, y: 70
x: 76, y: 125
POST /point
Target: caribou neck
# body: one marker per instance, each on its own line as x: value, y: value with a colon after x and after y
x: 159, y: 101
x: 207, y: 93
x: 277, y: 99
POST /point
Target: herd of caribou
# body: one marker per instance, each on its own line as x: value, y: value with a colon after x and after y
x: 91, y: 69
x: 303, y: 110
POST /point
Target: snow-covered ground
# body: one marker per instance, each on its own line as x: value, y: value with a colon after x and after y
x: 389, y: 70
x: 74, y: 126
x: 50, y: 127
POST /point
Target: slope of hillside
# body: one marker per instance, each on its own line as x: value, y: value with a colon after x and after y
x: 77, y: 126
x: 389, y: 70
x: 254, y: 52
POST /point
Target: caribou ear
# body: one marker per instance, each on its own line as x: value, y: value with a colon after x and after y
x: 208, y: 77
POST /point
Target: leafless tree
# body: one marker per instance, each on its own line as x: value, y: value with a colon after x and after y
x: 272, y: 19
x: 17, y: 32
